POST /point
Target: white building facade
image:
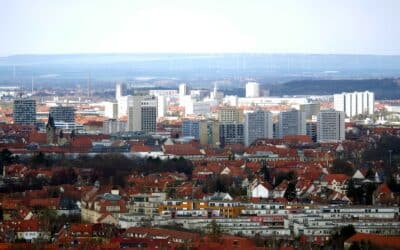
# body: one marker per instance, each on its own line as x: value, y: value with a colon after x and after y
x: 330, y: 126
x: 355, y: 103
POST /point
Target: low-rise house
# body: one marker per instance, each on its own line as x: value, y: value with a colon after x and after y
x: 279, y: 191
x: 31, y: 230
x: 98, y: 204
x: 335, y: 182
x: 383, y: 195
x: 146, y: 204
x: 259, y: 189
x: 219, y: 196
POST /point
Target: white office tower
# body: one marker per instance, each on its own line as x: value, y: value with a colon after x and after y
x: 257, y: 125
x: 183, y: 89
x: 252, y: 89
x: 119, y: 91
x: 123, y: 105
x: 111, y: 110
x: 292, y: 122
x: 355, y: 103
x: 161, y: 106
x: 330, y: 126
x: 142, y: 113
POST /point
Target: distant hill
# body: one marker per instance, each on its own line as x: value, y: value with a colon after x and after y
x: 383, y: 88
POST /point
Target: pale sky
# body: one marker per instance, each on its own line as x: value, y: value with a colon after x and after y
x: 210, y: 26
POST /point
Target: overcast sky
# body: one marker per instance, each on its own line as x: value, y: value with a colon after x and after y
x: 216, y: 26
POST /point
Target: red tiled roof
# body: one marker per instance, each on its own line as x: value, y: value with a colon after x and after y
x: 337, y: 177
x: 384, y: 241
x: 181, y: 149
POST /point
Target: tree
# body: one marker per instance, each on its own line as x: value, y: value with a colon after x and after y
x: 214, y: 230
x: 353, y: 192
x: 290, y: 193
x: 370, y: 174
x: 342, y: 167
x: 7, y: 157
x: 355, y: 246
x: 265, y: 172
x: 347, y: 231
x: 39, y: 159
x: 289, y: 176
x: 47, y: 218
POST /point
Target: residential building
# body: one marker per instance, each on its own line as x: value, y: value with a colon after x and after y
x: 120, y: 90
x: 111, y: 110
x: 231, y: 133
x: 191, y: 128
x: 311, y: 130
x: 161, y: 106
x: 112, y: 126
x: 149, y: 114
x: 311, y: 110
x: 230, y: 114
x: 183, y: 89
x: 291, y: 122
x: 210, y: 135
x: 257, y: 125
x: 24, y: 111
x: 63, y: 113
x: 355, y: 103
x: 252, y: 89
x: 198, y: 108
x: 330, y: 126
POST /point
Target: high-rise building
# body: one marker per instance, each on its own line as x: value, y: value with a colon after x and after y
x: 63, y: 113
x: 183, y: 89
x: 330, y: 126
x: 291, y: 122
x: 120, y: 89
x: 231, y: 133
x: 355, y: 103
x: 230, y: 114
x: 161, y: 106
x: 209, y: 134
x: 111, y: 110
x: 191, y: 128
x: 142, y: 114
x: 149, y: 114
x: 24, y: 111
x: 311, y: 110
x: 311, y: 130
x: 134, y: 104
x: 206, y: 131
x: 122, y: 105
x: 253, y: 89
x: 257, y: 125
